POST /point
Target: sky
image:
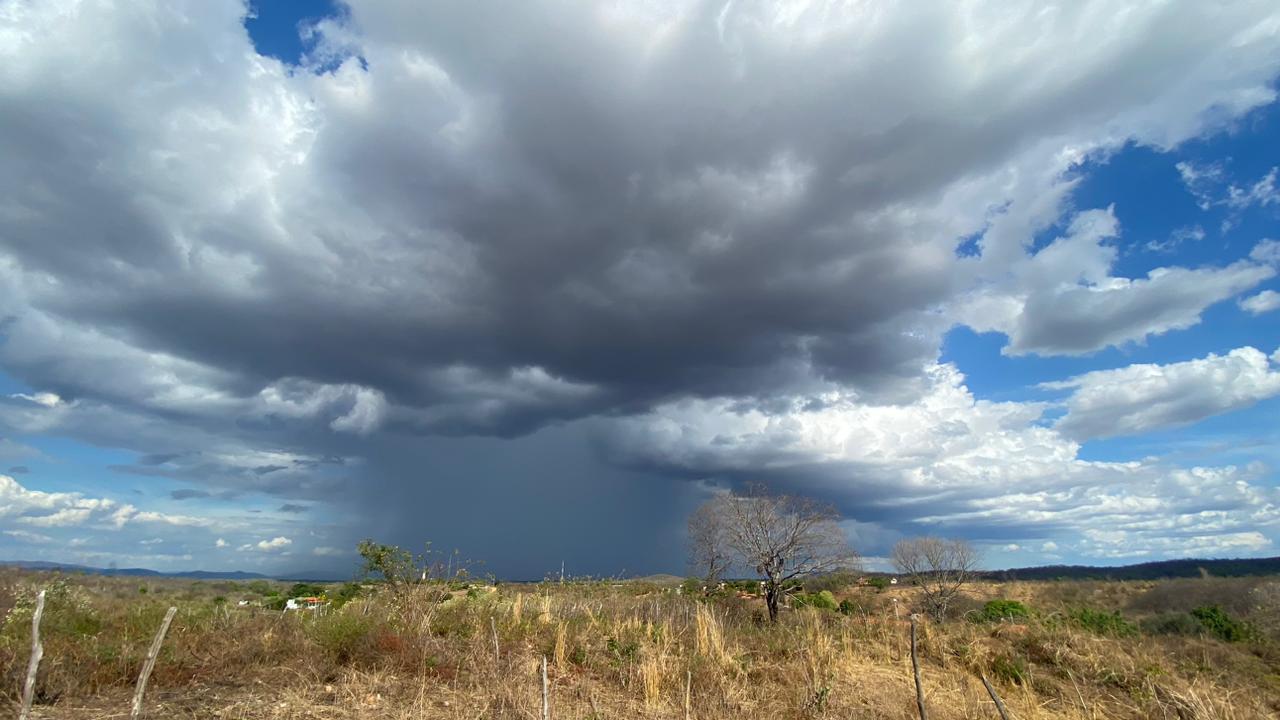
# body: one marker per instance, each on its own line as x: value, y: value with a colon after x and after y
x: 530, y: 281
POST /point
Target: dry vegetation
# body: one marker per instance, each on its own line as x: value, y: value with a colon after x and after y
x: 625, y: 650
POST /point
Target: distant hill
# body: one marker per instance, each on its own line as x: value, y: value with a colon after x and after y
x: 133, y: 572
x: 1143, y: 571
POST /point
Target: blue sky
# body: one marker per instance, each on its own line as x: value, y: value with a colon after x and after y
x: 287, y: 275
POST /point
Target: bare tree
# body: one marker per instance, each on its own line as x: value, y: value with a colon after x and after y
x: 781, y: 536
x: 939, y: 567
x: 709, y: 552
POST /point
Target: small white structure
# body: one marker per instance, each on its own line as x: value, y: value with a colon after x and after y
x: 893, y: 581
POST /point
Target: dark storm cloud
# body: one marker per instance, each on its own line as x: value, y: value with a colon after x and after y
x: 536, y: 230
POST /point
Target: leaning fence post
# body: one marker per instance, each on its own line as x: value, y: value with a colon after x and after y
x: 37, y: 652
x: 151, y: 663
x: 915, y: 668
x: 546, y: 706
x: 493, y: 625
x: 1004, y: 714
x: 688, y: 684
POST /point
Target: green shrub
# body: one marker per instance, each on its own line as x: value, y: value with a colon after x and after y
x: 305, y: 590
x: 1221, y: 625
x: 622, y: 651
x: 879, y: 582
x: 261, y: 587
x: 345, y: 594
x: 66, y: 612
x: 997, y: 610
x: 821, y: 600
x: 1010, y: 668
x: 1171, y: 624
x: 848, y: 607
x: 1103, y: 623
x: 343, y: 636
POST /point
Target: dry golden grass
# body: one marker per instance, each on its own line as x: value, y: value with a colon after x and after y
x: 616, y: 650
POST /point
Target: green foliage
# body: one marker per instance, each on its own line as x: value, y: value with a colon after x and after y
x: 1102, y: 623
x: 389, y: 562
x: 345, y: 594
x: 879, y: 582
x: 305, y: 590
x: 1011, y: 668
x: 66, y: 612
x: 274, y: 601
x: 1221, y: 625
x: 848, y: 607
x: 997, y: 610
x: 343, y: 636
x: 622, y: 651
x: 260, y: 587
x: 691, y: 586
x: 1171, y: 624
x: 821, y: 600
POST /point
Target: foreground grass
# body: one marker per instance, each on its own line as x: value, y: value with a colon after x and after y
x: 627, y: 650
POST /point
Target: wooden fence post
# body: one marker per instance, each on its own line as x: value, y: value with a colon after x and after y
x: 1004, y: 714
x: 37, y: 652
x: 915, y: 668
x: 151, y: 663
x: 688, y: 685
x: 546, y: 700
x: 493, y: 625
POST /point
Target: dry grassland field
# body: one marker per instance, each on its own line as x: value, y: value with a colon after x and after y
x: 1189, y: 648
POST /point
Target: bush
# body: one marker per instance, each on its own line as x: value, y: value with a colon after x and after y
x: 345, y: 594
x: 260, y: 587
x: 997, y: 610
x: 821, y: 600
x: 1171, y: 624
x: 848, y: 607
x: 879, y: 582
x: 67, y: 612
x: 1103, y: 623
x: 1221, y: 625
x: 305, y: 590
x: 343, y: 636
x: 1010, y: 668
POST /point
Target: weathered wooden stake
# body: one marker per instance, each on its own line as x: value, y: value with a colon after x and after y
x: 915, y: 668
x: 688, y: 683
x: 546, y: 704
x: 1004, y: 714
x: 493, y: 625
x: 152, y: 654
x: 37, y: 652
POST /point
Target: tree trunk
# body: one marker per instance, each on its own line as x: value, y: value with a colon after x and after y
x: 771, y: 591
